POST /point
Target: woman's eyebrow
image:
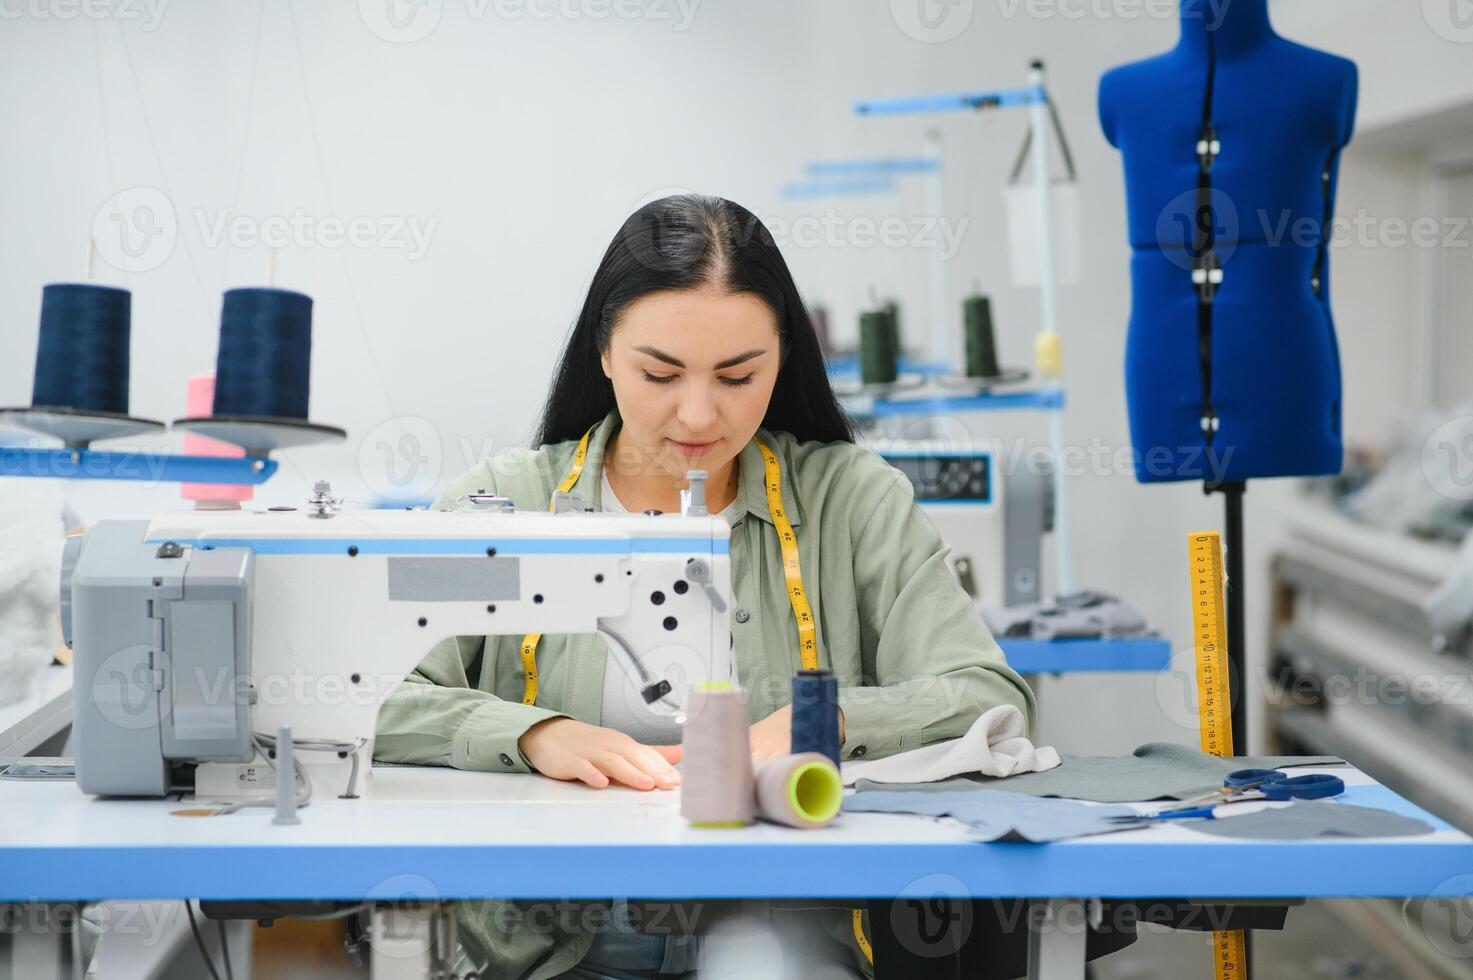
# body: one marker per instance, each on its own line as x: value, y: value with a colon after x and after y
x: 676, y: 362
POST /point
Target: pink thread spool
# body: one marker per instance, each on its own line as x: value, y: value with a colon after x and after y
x: 802, y: 790
x: 717, y: 787
x: 200, y: 402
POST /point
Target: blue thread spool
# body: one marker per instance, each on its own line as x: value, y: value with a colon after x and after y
x: 816, y: 713
x: 262, y: 374
x: 264, y: 365
x: 82, y: 353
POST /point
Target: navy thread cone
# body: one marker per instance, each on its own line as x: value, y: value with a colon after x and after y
x: 265, y: 359
x: 816, y: 714
x: 82, y: 351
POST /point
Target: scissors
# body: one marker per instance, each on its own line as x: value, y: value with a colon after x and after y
x: 1251, y: 784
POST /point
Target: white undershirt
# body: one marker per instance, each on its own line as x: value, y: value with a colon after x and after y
x: 622, y: 708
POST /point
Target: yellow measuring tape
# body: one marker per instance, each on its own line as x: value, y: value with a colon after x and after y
x: 802, y: 614
x: 530, y: 641
x: 1214, y: 697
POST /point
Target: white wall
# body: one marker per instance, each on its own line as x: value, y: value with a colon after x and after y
x: 526, y: 141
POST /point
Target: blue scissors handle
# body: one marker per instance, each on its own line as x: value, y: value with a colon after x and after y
x: 1315, y: 786
x: 1251, y: 778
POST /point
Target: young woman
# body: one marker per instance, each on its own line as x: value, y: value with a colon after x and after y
x: 693, y: 350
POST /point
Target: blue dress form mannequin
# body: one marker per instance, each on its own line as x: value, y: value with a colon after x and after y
x: 1232, y: 370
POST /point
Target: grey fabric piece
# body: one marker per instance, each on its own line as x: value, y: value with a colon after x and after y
x: 1308, y: 819
x: 1076, y: 616
x: 997, y: 816
x: 1155, y: 771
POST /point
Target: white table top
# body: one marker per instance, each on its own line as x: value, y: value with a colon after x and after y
x: 442, y: 833
x: 42, y: 713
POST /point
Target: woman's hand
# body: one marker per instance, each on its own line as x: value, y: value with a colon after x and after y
x: 562, y: 748
x: 771, y: 737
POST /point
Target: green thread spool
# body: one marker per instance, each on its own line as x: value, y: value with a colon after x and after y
x: 893, y: 308
x: 879, y: 348
x: 981, y: 344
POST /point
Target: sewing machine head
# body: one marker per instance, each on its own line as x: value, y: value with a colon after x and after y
x: 199, y: 634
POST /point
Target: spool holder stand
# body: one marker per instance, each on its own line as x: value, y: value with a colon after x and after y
x: 76, y: 460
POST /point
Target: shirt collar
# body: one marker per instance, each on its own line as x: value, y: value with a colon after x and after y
x: 751, y: 481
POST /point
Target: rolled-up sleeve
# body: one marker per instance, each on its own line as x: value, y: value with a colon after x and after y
x: 437, y: 718
x: 930, y: 665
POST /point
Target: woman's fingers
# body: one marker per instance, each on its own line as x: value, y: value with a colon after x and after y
x: 671, y: 753
x: 626, y: 772
x: 589, y: 773
x: 654, y: 762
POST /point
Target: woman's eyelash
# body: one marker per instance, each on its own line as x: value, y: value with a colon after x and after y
x: 667, y: 378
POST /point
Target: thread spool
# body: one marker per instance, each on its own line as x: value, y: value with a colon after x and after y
x: 199, y: 402
x: 82, y: 353
x: 892, y: 307
x: 981, y: 342
x: 816, y: 714
x: 264, y: 363
x: 802, y: 790
x: 879, y: 349
x: 718, y: 788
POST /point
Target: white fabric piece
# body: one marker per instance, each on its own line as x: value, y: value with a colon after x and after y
x: 996, y: 745
x: 31, y: 539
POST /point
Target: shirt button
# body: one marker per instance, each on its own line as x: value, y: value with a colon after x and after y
x: 506, y: 760
x: 857, y: 752
x: 742, y: 615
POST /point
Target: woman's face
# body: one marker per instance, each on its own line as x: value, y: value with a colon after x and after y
x: 693, y: 371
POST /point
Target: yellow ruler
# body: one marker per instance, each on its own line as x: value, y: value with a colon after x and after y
x: 1214, y: 699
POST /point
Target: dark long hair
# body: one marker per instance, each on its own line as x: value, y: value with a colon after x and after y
x: 685, y: 242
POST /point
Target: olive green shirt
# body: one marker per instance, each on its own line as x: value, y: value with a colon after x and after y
x: 914, y: 661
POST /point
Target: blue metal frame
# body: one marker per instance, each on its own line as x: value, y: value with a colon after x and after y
x: 847, y: 366
x: 1007, y: 98
x: 883, y: 165
x: 1046, y: 399
x: 839, y: 188
x: 1086, y: 656
x: 155, y: 467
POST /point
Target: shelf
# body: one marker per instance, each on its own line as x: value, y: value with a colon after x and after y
x: 1151, y: 654
x: 1036, y: 399
x: 144, y: 465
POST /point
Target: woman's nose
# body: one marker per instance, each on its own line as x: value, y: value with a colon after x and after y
x: 697, y: 409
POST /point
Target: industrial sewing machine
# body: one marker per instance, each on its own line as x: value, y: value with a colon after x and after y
x: 993, y: 521
x: 200, y: 635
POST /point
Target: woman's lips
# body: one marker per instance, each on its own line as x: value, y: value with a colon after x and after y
x: 692, y: 449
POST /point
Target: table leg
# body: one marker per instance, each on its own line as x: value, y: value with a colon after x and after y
x: 40, y: 942
x: 1056, y: 933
